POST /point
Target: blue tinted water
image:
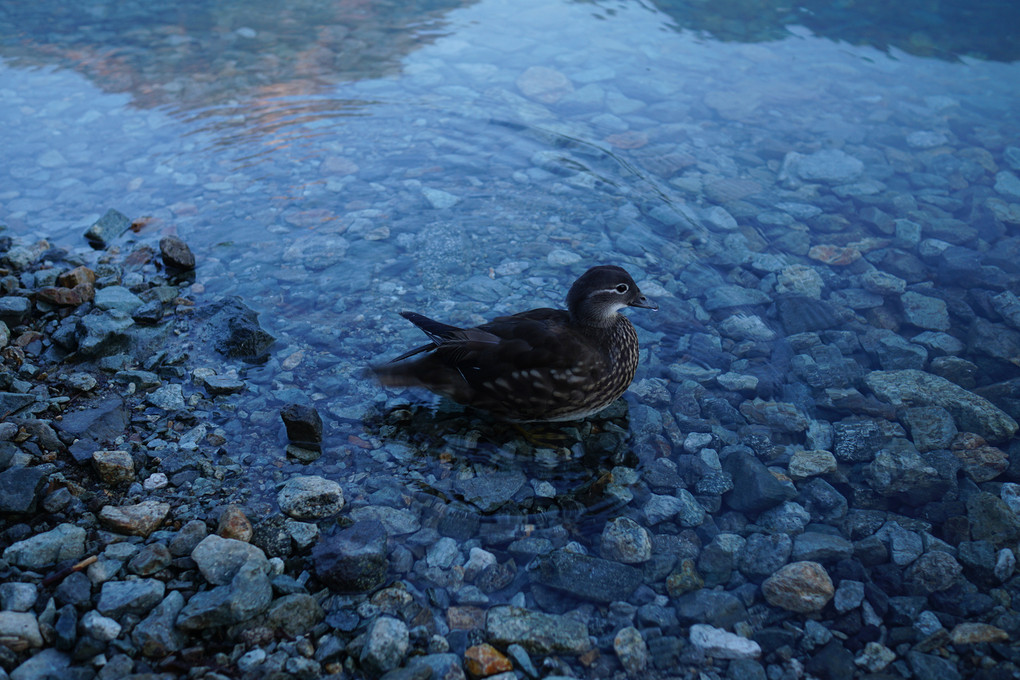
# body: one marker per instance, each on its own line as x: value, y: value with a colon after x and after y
x: 336, y: 163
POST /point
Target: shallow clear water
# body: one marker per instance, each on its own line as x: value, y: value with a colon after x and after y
x: 335, y: 163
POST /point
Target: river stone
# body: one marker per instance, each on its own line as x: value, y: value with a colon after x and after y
x: 130, y: 597
x: 352, y: 560
x: 992, y: 520
x: 176, y: 253
x: 310, y: 497
x: 248, y: 594
x: 916, y: 388
x: 63, y: 542
x: 108, y: 227
x: 157, y: 635
x: 538, y: 633
x: 585, y: 577
x: 385, y: 645
x: 114, y: 467
x: 802, y: 587
x: 755, y: 488
x: 624, y: 540
x: 20, y: 488
x: 140, y: 519
x: 20, y: 631
x: 721, y: 644
x: 117, y: 298
x: 831, y: 166
x: 219, y: 559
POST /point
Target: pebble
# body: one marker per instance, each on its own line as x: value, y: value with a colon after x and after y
x: 802, y: 587
x: 310, y: 497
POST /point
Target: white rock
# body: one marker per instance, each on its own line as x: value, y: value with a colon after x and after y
x: 722, y: 644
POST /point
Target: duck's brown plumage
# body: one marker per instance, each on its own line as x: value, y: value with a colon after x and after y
x: 540, y: 365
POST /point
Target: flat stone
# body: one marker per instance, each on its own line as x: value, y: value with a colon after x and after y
x: 584, y: 576
x: 310, y: 497
x: 63, y: 542
x: 721, y: 644
x: 972, y: 413
x: 538, y: 633
x: 19, y: 631
x: 140, y: 519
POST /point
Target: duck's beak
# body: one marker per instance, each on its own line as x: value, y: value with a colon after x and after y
x: 644, y: 303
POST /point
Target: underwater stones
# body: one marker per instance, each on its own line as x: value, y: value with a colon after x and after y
x: 232, y: 328
x: 354, y: 559
x: 544, y: 84
x: 310, y: 497
x: 755, y: 488
x: 584, y: 576
x: 830, y: 166
x: 536, y: 632
x: 916, y: 388
x: 925, y: 312
x: 304, y: 425
x: 385, y: 645
x: 626, y: 541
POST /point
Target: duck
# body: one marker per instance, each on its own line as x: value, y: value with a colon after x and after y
x: 542, y: 365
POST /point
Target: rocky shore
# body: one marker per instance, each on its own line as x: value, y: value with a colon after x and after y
x: 746, y: 540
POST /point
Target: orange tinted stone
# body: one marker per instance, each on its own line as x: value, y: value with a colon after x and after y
x: 76, y: 276
x: 834, y: 255
x: 484, y: 660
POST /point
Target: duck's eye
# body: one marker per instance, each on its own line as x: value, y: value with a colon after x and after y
x: 622, y: 288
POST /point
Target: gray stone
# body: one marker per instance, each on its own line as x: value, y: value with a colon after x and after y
x: 157, y: 635
x: 1008, y: 184
x: 310, y: 497
x: 764, y: 554
x: 904, y: 546
x: 624, y: 540
x: 64, y: 542
x: 820, y: 547
x: 169, y: 397
x: 17, y: 597
x: 20, y: 488
x: 681, y: 507
x: 849, y: 595
x: 490, y: 491
x: 49, y: 663
x: 536, y: 632
x: 755, y: 489
x: 219, y: 559
x: 584, y: 576
x: 353, y: 560
x: 917, y: 388
x: 926, y: 312
x: 130, y: 597
x: 831, y: 166
x: 117, y: 298
x: 386, y: 644
x: 248, y: 594
x: 295, y: 614
x: 103, y: 333
x: 108, y: 227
